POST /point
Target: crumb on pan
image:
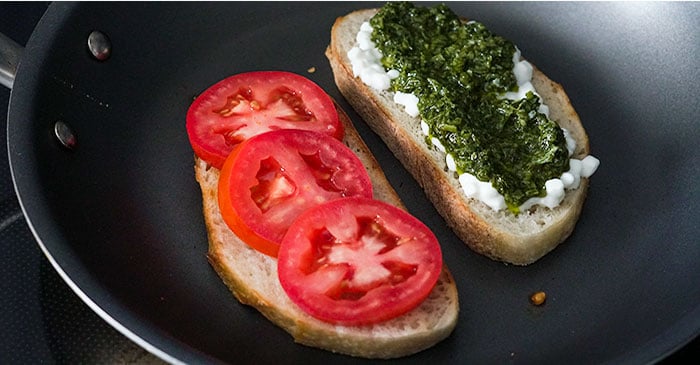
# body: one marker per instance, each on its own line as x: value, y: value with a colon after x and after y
x: 538, y: 298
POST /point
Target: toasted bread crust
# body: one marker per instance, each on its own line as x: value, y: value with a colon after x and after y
x: 501, y: 236
x: 252, y: 278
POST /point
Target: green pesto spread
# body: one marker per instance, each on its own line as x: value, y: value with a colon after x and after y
x: 458, y: 70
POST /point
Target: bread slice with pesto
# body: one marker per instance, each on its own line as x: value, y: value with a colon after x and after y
x: 500, y: 235
x: 252, y: 277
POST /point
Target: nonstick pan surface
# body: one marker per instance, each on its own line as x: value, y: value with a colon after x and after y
x: 119, y: 216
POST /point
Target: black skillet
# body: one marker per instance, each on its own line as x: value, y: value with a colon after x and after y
x: 119, y: 214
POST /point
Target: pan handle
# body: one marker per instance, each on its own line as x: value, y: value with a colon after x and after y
x: 10, y: 53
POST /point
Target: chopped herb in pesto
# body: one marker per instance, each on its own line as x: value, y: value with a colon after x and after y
x: 458, y: 70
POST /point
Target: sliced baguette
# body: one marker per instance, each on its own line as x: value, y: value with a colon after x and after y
x: 252, y: 277
x: 502, y: 236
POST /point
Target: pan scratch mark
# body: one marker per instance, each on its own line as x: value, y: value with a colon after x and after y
x: 10, y: 220
x: 64, y: 82
x: 71, y: 87
x: 95, y: 100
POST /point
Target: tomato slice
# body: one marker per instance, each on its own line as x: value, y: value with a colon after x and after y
x: 271, y: 178
x: 247, y: 104
x: 358, y: 261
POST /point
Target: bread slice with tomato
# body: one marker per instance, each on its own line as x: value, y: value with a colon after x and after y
x: 253, y: 275
x: 500, y: 235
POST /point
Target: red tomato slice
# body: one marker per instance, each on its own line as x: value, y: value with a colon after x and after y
x: 270, y: 179
x: 358, y: 261
x: 247, y: 104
